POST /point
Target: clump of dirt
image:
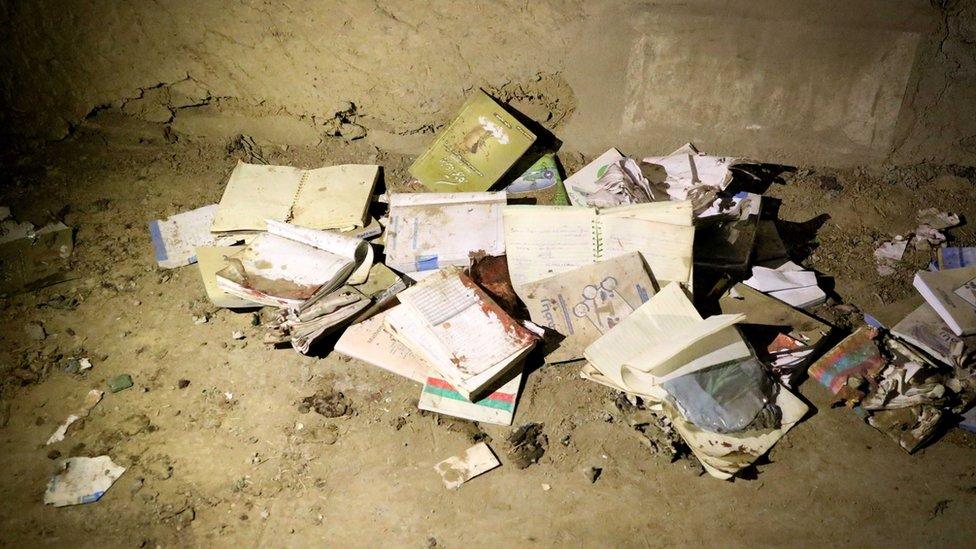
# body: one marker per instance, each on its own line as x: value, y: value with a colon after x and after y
x: 326, y: 403
x: 547, y: 98
x: 529, y: 444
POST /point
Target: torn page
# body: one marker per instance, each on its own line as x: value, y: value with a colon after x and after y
x: 175, y: 238
x: 687, y: 174
x: 457, y: 470
x: 585, y: 303
x: 313, y: 319
x: 82, y: 480
x: 91, y: 400
x: 587, y: 176
x: 621, y: 182
x: 770, y: 280
x: 434, y: 230
x: 370, y: 342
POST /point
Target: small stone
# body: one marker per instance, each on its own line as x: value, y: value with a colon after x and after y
x: 72, y: 366
x: 84, y: 364
x: 183, y: 383
x: 53, y: 454
x: 546, y: 487
x: 202, y: 319
x: 120, y: 383
x: 35, y: 330
x: 238, y: 334
x: 255, y: 319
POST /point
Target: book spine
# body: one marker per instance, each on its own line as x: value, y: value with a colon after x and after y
x: 597, y: 238
x: 298, y: 192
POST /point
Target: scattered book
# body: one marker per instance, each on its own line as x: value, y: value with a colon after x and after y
x: 581, y: 181
x: 210, y: 260
x: 939, y: 290
x: 474, y: 150
x: 290, y: 265
x: 856, y: 355
x: 175, y: 238
x: 583, y: 304
x: 497, y: 407
x: 370, y: 342
x: 542, y: 241
x: 465, y: 336
x: 333, y: 197
x: 430, y: 231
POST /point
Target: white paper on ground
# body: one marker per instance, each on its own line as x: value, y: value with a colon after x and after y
x: 175, y: 237
x: 687, y: 169
x: 765, y: 279
x: 82, y: 480
x: 91, y: 400
x: 476, y: 460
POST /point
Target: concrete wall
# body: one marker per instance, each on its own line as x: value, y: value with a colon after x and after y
x: 815, y: 81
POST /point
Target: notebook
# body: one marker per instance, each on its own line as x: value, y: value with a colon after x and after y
x: 475, y: 150
x: 945, y: 291
x: 542, y: 241
x: 585, y: 303
x: 465, y: 336
x: 210, y: 260
x: 429, y: 231
x: 370, y: 342
x: 289, y: 265
x: 335, y: 197
x: 497, y: 407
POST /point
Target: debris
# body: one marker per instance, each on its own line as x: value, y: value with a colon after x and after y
x: 35, y: 330
x: 237, y: 334
x: 32, y: 258
x: 319, y: 316
x: 430, y: 231
x: 935, y: 219
x: 120, y: 383
x: 888, y: 254
x: 91, y: 400
x: 82, y: 480
x: 183, y: 383
x: 175, y: 237
x: 330, y: 404
x: 789, y: 283
x: 333, y: 197
x: 528, y: 445
x: 201, y: 319
x: 687, y: 174
x: 855, y: 357
x: 593, y: 473
x: 474, y: 150
x: 370, y: 342
x: 84, y: 364
x: 620, y: 183
x: 457, y: 470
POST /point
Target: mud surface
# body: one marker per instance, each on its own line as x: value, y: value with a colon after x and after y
x: 219, y: 452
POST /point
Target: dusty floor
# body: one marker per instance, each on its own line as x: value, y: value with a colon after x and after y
x: 223, y: 462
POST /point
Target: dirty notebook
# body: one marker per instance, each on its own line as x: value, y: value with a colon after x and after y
x: 433, y: 230
x: 370, y: 342
x: 465, y: 336
x: 474, y: 150
x: 334, y: 197
x: 289, y: 265
x: 542, y: 241
x: 210, y: 260
x: 583, y: 304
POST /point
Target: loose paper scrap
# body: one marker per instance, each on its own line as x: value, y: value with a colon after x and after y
x: 456, y: 470
x: 91, y: 400
x: 175, y: 238
x: 82, y: 480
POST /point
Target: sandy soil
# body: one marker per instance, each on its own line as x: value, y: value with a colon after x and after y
x: 223, y: 461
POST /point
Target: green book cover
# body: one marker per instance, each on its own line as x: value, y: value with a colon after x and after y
x: 474, y: 150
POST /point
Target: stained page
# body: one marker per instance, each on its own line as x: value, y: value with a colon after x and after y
x: 335, y: 197
x: 457, y: 470
x: 541, y: 241
x: 587, y: 176
x: 434, y: 230
x: 254, y: 194
x: 175, y: 237
x: 210, y: 260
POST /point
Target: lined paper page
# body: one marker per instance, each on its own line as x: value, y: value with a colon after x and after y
x: 541, y: 241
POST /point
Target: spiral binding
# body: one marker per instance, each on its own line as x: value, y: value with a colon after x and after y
x: 597, y: 238
x: 294, y: 199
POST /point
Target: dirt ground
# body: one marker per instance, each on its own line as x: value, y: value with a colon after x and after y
x: 230, y: 460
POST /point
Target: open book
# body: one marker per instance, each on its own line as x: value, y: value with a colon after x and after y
x: 947, y: 292
x: 585, y: 303
x: 372, y: 343
x: 542, y: 241
x: 433, y: 230
x: 663, y: 339
x: 474, y: 150
x: 465, y: 336
x: 289, y: 265
x: 334, y: 197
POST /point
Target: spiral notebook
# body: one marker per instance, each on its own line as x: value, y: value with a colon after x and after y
x: 542, y: 241
x: 334, y: 197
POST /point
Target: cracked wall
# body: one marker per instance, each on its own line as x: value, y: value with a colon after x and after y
x: 819, y: 81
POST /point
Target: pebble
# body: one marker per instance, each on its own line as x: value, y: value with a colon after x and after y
x: 238, y: 334
x: 35, y: 330
x: 183, y: 383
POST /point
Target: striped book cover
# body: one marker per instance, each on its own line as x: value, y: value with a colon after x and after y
x: 856, y: 355
x: 497, y: 407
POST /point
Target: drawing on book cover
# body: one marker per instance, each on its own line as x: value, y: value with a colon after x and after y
x: 603, y: 306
